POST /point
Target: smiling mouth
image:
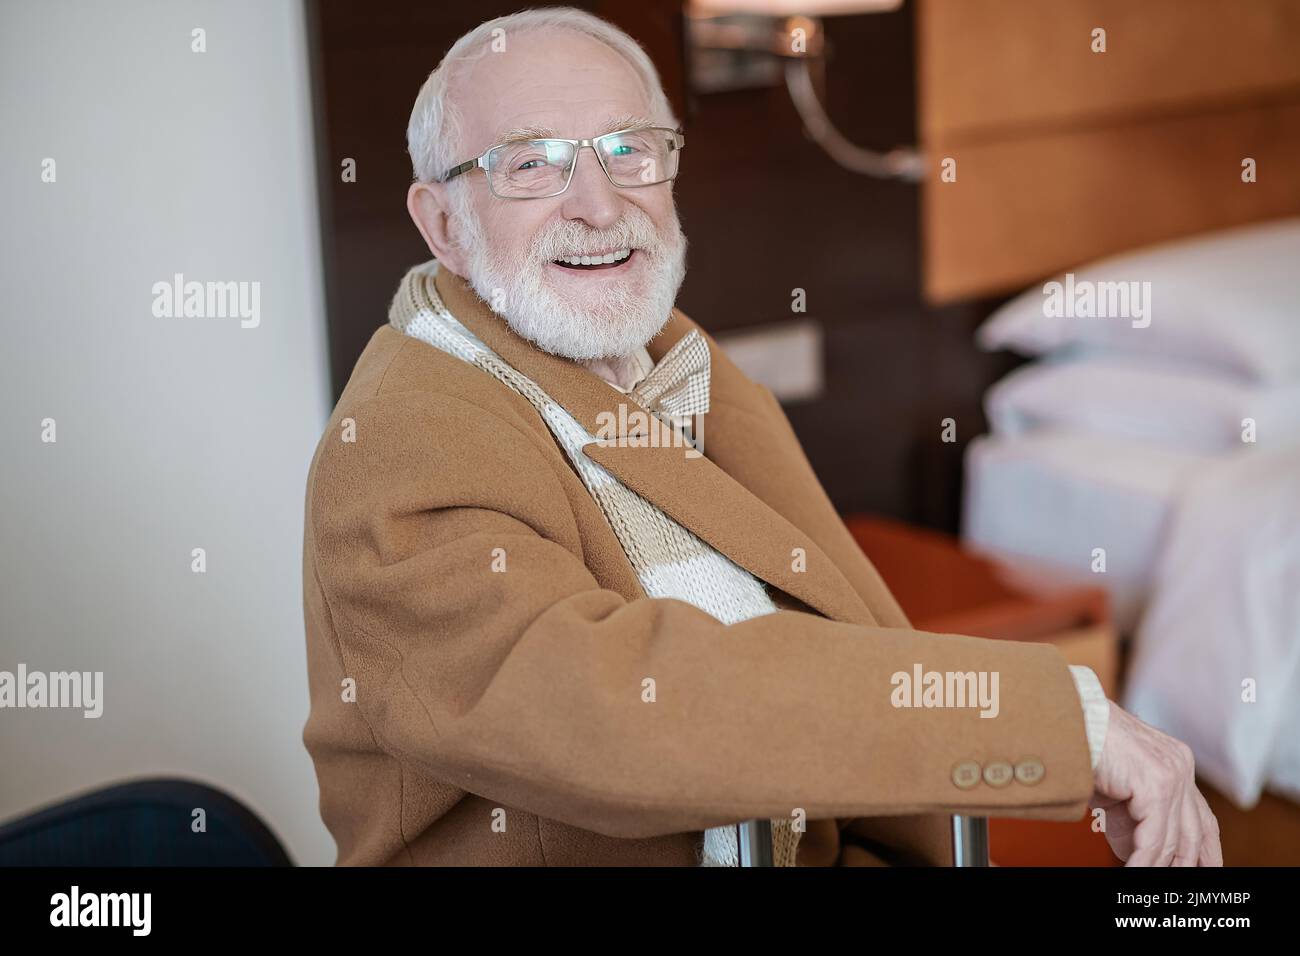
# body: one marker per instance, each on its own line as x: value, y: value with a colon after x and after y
x: 616, y: 259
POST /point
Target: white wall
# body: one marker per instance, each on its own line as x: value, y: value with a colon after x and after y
x: 173, y: 433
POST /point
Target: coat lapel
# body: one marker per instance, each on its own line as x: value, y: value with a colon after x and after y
x: 707, y: 495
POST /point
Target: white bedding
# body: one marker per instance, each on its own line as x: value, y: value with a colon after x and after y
x: 1056, y: 496
x: 1213, y: 542
x: 1168, y: 438
x: 1225, y: 609
x: 1226, y: 300
x: 1142, y: 400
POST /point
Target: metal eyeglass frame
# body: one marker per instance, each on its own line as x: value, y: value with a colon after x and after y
x: 481, y: 162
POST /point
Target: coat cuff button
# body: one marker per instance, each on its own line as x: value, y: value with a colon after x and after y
x: 1030, y: 771
x: 998, y: 773
x: 966, y: 774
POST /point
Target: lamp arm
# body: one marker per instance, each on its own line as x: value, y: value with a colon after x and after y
x: 904, y: 164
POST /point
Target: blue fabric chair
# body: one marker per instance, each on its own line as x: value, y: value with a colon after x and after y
x: 142, y: 823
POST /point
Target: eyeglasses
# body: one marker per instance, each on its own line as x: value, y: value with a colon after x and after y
x: 541, y: 168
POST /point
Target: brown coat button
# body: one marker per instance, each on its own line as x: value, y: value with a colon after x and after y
x: 1030, y: 771
x: 998, y: 773
x: 966, y: 774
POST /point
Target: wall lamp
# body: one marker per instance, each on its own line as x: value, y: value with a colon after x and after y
x: 738, y: 44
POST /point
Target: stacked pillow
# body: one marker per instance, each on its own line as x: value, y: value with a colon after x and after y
x: 1142, y: 400
x: 1205, y: 357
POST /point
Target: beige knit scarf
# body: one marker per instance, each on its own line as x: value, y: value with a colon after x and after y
x: 669, y: 560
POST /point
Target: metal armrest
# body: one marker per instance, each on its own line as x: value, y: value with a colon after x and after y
x: 970, y: 842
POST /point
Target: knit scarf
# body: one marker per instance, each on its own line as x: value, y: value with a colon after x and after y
x: 669, y: 560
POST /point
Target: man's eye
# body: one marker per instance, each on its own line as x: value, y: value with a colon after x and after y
x: 527, y: 163
x: 622, y: 150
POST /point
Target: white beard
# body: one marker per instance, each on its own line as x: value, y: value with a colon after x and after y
x: 614, y: 320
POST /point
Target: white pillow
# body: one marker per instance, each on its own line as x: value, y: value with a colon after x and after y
x: 1228, y: 299
x: 1174, y: 406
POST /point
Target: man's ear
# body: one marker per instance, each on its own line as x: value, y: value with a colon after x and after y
x: 430, y: 209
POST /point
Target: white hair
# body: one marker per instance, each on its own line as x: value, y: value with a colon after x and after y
x: 433, y: 135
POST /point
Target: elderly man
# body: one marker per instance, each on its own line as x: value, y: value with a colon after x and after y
x: 552, y: 620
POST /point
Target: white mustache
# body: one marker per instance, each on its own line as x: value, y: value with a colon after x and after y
x: 570, y: 237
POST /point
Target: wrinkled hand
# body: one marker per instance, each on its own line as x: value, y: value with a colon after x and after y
x: 1145, y: 782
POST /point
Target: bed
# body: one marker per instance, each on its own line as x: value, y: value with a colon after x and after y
x: 1163, y: 461
x: 1159, y: 440
x: 1057, y: 497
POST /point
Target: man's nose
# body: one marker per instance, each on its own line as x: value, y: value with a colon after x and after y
x: 591, y: 197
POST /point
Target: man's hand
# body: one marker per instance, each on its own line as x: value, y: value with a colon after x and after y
x: 1145, y: 783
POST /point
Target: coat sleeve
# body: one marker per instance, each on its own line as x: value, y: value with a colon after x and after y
x: 486, y: 654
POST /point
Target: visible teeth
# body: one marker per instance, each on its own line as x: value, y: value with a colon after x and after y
x: 607, y: 258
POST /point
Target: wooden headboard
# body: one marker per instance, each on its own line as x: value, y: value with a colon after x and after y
x: 1063, y: 155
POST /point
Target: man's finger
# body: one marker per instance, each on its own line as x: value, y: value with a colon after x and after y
x: 1172, y: 815
x: 1189, y: 832
x: 1148, y: 837
x: 1211, y: 853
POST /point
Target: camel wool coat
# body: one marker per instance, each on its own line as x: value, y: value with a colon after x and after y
x: 490, y: 685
